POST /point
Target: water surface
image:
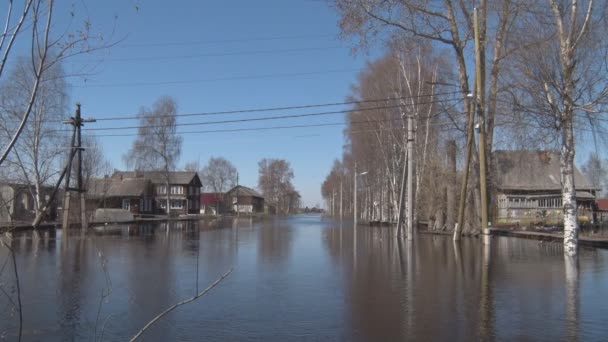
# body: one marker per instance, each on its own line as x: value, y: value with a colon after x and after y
x: 301, y: 278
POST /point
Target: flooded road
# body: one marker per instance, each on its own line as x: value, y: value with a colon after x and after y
x: 302, y: 278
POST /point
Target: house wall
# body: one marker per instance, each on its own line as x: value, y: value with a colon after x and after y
x: 535, y: 209
x: 185, y: 199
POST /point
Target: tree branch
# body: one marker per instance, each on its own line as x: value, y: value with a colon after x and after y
x: 168, y: 310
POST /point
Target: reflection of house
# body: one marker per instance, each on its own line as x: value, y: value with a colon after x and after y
x: 245, y: 200
x: 212, y: 203
x: 17, y: 202
x: 528, y: 189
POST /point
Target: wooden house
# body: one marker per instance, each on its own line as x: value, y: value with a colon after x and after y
x: 212, y: 203
x: 131, y: 194
x: 17, y: 202
x: 183, y: 189
x: 528, y: 189
x: 602, y: 210
x: 242, y: 199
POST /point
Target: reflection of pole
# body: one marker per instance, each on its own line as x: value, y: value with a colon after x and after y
x: 485, y: 301
x: 355, y: 198
x: 572, y: 284
x: 410, y: 178
x: 341, y: 213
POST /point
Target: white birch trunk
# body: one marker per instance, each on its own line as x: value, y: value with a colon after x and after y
x: 569, y: 192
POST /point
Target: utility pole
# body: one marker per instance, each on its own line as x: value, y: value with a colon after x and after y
x: 75, y: 149
x: 237, y: 195
x: 355, y: 199
x: 410, y: 177
x: 480, y: 72
x: 467, y: 162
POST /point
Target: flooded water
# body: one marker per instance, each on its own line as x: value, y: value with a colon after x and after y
x: 302, y: 278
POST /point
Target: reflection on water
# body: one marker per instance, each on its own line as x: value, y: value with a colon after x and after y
x: 297, y: 279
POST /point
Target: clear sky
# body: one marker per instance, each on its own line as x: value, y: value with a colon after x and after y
x: 217, y: 56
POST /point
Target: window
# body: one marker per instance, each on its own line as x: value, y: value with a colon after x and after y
x: 161, y: 189
x: 177, y: 204
x: 234, y: 200
x: 189, y: 205
x: 126, y: 204
x: 163, y: 204
x: 177, y: 190
x: 145, y: 204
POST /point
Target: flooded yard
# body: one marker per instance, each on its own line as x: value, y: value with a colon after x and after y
x: 300, y: 278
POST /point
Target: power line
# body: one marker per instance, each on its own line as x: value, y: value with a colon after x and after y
x: 270, y: 117
x: 274, y: 109
x: 220, y: 79
x: 236, y: 40
x: 290, y: 127
x: 219, y: 54
x: 255, y: 128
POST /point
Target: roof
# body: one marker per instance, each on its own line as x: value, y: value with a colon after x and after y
x: 158, y: 177
x: 211, y: 197
x: 112, y: 187
x: 245, y: 191
x: 602, y: 204
x: 532, y: 170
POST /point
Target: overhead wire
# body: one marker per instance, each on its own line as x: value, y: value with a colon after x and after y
x: 267, y: 118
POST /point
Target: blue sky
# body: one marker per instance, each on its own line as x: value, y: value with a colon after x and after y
x: 216, y: 56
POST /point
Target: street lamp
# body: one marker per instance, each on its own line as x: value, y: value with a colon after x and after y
x: 355, y: 195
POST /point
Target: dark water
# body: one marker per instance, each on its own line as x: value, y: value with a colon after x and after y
x: 301, y: 278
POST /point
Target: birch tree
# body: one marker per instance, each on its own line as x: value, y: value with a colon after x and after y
x: 447, y: 24
x: 219, y: 174
x: 31, y: 23
x: 35, y: 156
x: 157, y: 146
x: 562, y: 81
x: 275, y: 176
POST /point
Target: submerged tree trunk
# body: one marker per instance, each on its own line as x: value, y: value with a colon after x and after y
x: 568, y: 191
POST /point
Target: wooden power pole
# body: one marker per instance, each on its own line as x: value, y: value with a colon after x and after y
x: 480, y: 76
x: 465, y: 174
x: 75, y: 150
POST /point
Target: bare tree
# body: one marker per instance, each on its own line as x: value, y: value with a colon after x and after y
x: 275, y: 176
x: 596, y: 171
x: 561, y: 81
x: 31, y: 23
x: 35, y: 157
x: 447, y: 24
x: 157, y: 146
x: 219, y: 174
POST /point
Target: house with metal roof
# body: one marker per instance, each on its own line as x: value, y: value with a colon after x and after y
x: 528, y: 189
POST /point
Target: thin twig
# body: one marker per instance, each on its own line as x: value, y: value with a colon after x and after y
x: 18, y: 288
x: 219, y: 280
x: 103, y: 328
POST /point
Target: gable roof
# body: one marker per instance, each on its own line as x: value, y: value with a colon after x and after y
x: 245, y: 191
x: 113, y: 187
x: 532, y: 170
x: 158, y: 177
x: 602, y: 204
x: 211, y: 197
